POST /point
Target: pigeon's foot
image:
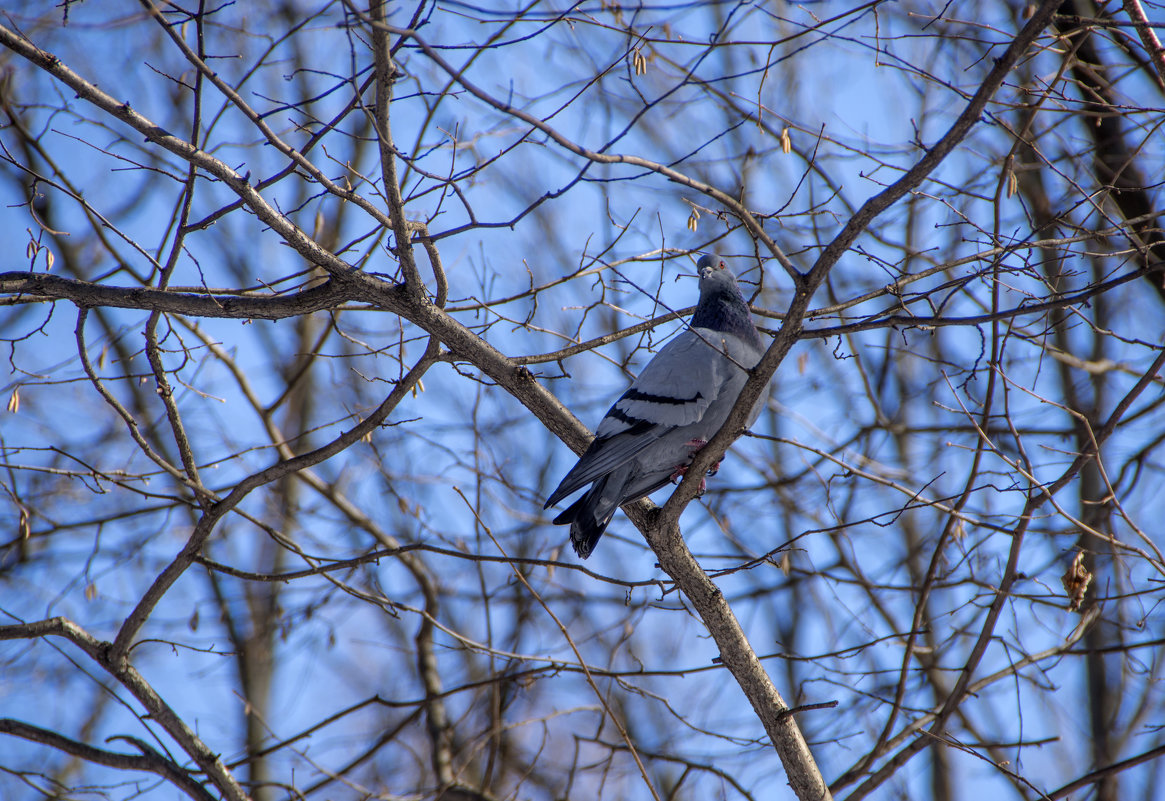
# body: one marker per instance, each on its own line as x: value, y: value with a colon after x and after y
x: 682, y: 470
x: 695, y: 445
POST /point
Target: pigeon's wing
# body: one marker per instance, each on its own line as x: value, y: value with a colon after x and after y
x: 740, y: 355
x: 605, y: 455
x: 674, y: 390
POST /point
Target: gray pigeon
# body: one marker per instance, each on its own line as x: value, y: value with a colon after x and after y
x: 679, y: 402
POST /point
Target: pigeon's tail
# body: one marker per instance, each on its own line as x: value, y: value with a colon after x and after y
x: 588, y: 518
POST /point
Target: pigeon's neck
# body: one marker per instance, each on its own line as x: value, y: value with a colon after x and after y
x: 725, y: 310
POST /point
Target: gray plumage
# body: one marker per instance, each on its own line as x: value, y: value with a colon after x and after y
x: 679, y: 402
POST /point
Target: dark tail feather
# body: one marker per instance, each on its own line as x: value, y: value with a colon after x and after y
x: 588, y: 518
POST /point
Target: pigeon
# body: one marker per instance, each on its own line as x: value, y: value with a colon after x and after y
x: 679, y: 402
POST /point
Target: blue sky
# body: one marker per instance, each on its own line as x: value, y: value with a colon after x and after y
x: 468, y: 435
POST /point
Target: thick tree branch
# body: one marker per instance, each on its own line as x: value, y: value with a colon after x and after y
x: 149, y: 760
x: 18, y: 286
x: 128, y: 677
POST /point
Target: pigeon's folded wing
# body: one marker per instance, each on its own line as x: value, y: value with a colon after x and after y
x: 675, y: 389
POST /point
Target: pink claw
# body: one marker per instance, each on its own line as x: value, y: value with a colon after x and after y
x: 681, y: 471
x: 696, y: 444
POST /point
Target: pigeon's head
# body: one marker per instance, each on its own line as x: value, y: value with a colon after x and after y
x: 722, y: 307
x: 715, y: 277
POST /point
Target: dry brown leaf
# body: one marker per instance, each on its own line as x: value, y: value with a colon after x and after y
x: 1076, y: 580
